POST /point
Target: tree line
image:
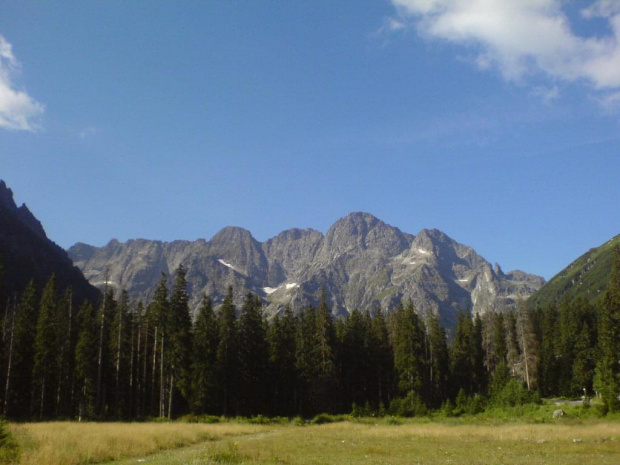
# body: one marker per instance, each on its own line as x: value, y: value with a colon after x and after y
x: 124, y: 360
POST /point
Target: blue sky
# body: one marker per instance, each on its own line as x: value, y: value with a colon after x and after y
x: 497, y: 122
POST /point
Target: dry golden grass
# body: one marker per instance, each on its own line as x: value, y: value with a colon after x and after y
x: 69, y: 443
x: 561, y: 442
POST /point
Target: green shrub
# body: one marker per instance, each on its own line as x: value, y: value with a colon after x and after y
x: 323, y: 418
x: 9, y: 449
x: 409, y: 406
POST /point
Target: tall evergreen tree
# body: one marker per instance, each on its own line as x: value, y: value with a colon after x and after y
x: 549, y: 367
x: 439, y: 362
x: 325, y: 356
x: 204, y: 350
x: 47, y: 349
x: 382, y: 370
x: 253, y: 357
x: 283, y: 375
x: 26, y: 318
x: 355, y: 360
x: 528, y: 345
x: 607, y: 378
x: 408, y: 343
x: 86, y: 367
x: 119, y: 340
x: 179, y: 330
x: 227, y: 356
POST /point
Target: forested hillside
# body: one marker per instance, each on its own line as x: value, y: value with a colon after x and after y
x: 126, y: 360
x: 587, y: 278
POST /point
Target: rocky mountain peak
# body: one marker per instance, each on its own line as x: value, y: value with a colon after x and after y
x: 365, y: 231
x: 6, y: 197
x: 22, y: 213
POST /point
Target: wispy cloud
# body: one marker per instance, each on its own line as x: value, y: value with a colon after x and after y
x: 525, y: 37
x: 18, y: 110
x: 89, y: 132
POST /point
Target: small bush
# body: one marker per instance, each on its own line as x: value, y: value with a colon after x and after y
x: 409, y: 406
x: 9, y: 449
x: 323, y: 418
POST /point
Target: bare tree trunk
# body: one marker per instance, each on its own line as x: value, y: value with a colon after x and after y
x: 162, y: 408
x: 153, y: 375
x: 118, y: 356
x: 8, y: 369
x: 170, y: 395
x: 131, y: 371
x: 101, y: 332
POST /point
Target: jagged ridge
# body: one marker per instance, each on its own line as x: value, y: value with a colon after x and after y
x: 361, y: 261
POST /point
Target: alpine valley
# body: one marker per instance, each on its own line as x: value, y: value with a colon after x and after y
x: 361, y: 262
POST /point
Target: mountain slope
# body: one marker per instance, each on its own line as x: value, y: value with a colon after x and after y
x: 585, y: 277
x: 362, y: 262
x: 26, y: 253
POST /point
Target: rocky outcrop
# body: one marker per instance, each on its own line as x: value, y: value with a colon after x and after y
x: 361, y: 261
x: 26, y: 253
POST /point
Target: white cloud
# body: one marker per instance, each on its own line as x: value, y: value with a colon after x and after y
x: 17, y: 109
x: 546, y: 94
x: 524, y: 37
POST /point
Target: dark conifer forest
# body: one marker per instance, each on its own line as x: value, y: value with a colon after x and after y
x: 120, y: 360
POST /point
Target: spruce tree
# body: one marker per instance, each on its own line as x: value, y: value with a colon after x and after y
x: 86, y: 367
x: 528, y: 345
x: 47, y: 349
x: 607, y: 376
x: 203, y: 356
x: 23, y: 349
x: 227, y: 367
x: 439, y: 362
x: 283, y: 375
x: 381, y: 362
x: 253, y: 358
x: 408, y: 342
x: 325, y: 356
x: 119, y: 340
x: 179, y: 325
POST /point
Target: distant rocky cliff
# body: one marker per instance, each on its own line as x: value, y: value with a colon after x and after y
x: 26, y: 253
x: 362, y: 263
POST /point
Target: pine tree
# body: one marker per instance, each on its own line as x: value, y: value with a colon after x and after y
x: 119, y: 340
x: 306, y: 362
x: 325, y: 356
x: 67, y: 333
x: 381, y: 362
x: 408, y: 343
x: 607, y: 376
x: 86, y: 367
x: 283, y: 373
x: 47, y: 349
x: 528, y: 345
x: 355, y: 360
x: 549, y: 366
x: 203, y: 378
x: 179, y: 327
x: 253, y: 357
x: 104, y: 378
x: 158, y: 315
x: 462, y: 369
x: 23, y: 349
x: 227, y: 356
x: 439, y: 362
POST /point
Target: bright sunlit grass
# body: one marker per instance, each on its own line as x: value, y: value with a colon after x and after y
x: 368, y: 441
x: 70, y: 443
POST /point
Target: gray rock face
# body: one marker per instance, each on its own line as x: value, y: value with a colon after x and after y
x: 361, y: 261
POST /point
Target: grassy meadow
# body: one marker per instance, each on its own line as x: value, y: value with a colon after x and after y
x: 372, y: 441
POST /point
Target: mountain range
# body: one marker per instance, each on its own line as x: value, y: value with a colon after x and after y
x: 361, y: 262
